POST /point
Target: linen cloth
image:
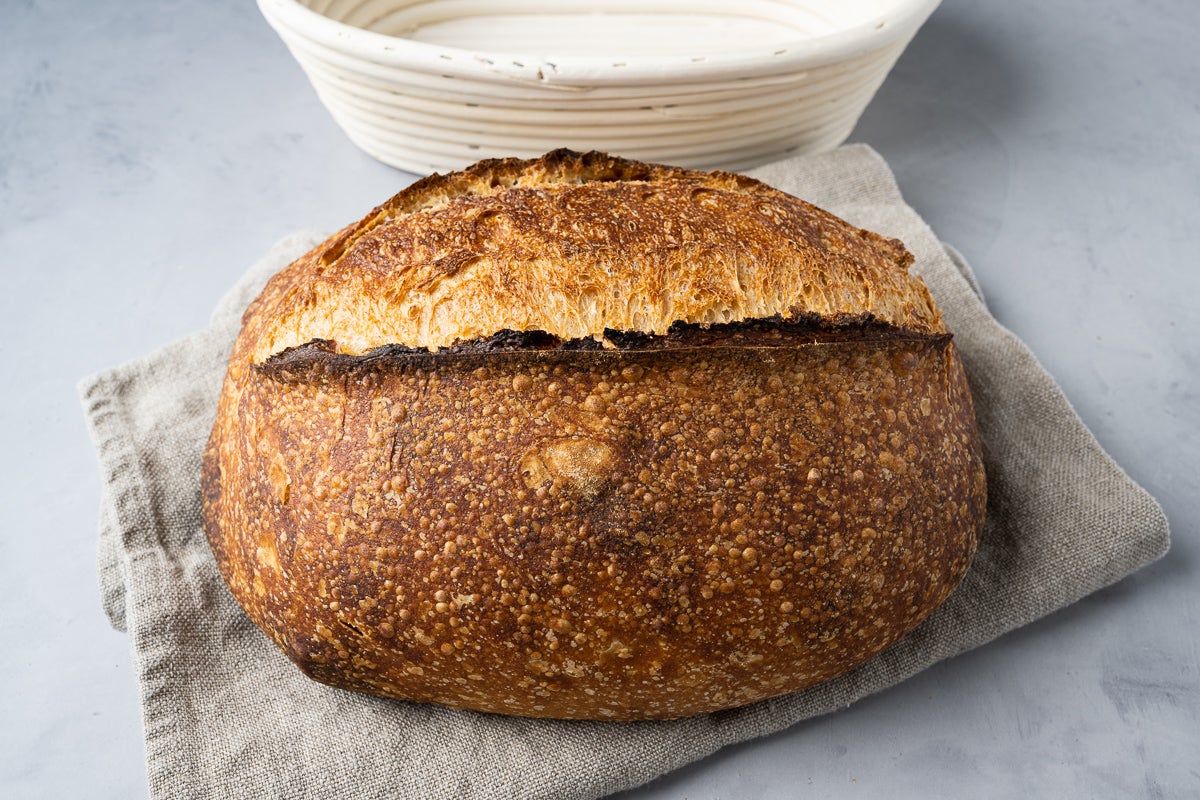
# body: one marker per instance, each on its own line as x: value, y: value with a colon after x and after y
x: 226, y: 715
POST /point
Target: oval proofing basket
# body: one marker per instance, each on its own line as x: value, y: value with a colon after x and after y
x: 435, y: 85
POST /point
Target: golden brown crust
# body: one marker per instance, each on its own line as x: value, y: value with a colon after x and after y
x: 573, y: 244
x: 632, y: 533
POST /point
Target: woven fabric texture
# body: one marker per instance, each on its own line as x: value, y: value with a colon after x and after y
x: 226, y: 715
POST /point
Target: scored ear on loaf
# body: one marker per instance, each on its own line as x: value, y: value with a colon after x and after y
x: 582, y: 437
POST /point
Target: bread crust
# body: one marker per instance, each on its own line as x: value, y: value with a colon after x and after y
x: 641, y: 525
x: 574, y: 244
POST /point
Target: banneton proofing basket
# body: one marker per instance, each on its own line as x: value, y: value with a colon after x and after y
x: 435, y: 85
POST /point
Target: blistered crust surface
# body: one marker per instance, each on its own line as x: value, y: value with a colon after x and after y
x: 575, y: 244
x: 595, y: 535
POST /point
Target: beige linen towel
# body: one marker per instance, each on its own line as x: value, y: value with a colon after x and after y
x: 225, y: 714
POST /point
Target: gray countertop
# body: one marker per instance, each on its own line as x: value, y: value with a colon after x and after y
x: 150, y: 151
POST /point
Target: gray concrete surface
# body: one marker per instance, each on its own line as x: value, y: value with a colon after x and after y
x: 150, y: 151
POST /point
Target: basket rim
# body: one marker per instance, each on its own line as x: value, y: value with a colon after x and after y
x: 900, y: 19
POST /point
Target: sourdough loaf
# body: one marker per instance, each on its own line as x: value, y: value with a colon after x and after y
x: 582, y: 437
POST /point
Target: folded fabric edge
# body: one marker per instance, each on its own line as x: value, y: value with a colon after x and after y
x: 113, y: 581
x: 122, y: 482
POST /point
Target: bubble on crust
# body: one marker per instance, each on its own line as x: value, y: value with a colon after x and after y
x: 582, y: 465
